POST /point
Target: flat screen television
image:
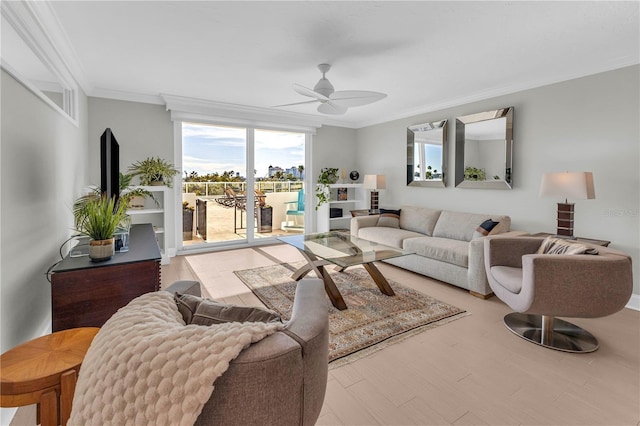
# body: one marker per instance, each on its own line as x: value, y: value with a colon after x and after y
x: 109, y: 165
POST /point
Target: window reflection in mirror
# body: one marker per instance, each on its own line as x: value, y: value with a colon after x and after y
x: 484, y: 150
x: 426, y: 147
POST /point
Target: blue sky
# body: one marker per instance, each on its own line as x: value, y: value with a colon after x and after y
x: 210, y: 149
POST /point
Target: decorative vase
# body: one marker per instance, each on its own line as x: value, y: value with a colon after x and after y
x: 101, y: 250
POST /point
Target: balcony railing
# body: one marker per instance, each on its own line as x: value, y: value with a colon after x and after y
x: 217, y: 188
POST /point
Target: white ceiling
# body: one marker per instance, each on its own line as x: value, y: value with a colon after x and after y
x: 425, y: 55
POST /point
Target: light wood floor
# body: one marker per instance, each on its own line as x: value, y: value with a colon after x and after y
x: 472, y: 371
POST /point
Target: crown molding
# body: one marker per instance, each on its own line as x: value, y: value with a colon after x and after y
x: 121, y: 95
x: 184, y: 108
x: 38, y: 25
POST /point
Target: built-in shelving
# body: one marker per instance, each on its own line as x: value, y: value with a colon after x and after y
x: 356, y: 200
x: 155, y: 215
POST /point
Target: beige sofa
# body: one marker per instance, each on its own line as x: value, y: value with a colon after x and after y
x: 443, y: 242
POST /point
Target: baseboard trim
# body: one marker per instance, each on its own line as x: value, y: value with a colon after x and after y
x: 634, y: 302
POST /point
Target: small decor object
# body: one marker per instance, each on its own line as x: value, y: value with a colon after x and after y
x: 328, y: 176
x: 354, y: 175
x: 99, y: 219
x: 154, y: 171
x: 430, y: 173
x: 375, y: 182
x: 343, y: 175
x: 567, y: 185
x: 343, y: 194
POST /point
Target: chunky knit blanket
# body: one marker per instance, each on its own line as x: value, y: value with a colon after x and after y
x: 146, y: 366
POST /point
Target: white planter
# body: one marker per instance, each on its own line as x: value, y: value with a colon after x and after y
x: 100, y: 250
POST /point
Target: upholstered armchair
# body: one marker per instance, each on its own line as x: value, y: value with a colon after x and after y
x: 281, y: 379
x: 542, y: 286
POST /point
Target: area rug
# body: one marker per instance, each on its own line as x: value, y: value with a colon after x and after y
x: 372, y: 320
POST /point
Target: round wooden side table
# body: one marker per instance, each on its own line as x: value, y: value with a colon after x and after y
x: 44, y: 371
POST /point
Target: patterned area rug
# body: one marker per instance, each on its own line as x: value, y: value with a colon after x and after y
x: 372, y: 320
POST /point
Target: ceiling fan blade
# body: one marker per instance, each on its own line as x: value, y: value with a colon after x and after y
x: 331, y: 108
x: 351, y: 98
x: 305, y: 91
x: 296, y: 103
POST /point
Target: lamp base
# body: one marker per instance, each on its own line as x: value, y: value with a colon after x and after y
x: 565, y: 220
x: 374, y: 200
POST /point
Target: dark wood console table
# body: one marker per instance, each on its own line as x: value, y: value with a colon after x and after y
x: 87, y: 294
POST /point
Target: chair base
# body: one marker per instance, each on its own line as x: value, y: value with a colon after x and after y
x: 551, y: 332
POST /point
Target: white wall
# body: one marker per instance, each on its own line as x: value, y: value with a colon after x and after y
x: 44, y: 168
x: 142, y: 130
x: 587, y: 124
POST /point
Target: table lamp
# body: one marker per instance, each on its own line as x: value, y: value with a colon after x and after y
x: 578, y: 185
x: 375, y: 182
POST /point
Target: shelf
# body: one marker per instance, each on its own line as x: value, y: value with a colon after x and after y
x: 144, y: 211
x: 342, y: 201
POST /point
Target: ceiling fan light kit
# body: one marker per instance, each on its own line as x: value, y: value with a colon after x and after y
x: 332, y: 102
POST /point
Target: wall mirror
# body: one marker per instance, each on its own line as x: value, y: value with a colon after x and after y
x: 30, y: 64
x: 484, y: 150
x: 426, y: 148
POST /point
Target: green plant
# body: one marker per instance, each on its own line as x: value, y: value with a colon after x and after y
x: 328, y: 175
x: 126, y: 195
x: 473, y: 173
x: 430, y: 172
x: 101, y: 217
x: 153, y: 169
x: 187, y: 207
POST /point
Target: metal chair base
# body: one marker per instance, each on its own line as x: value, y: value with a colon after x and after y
x: 551, y: 332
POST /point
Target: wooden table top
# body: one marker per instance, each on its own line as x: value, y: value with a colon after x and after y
x: 38, y: 363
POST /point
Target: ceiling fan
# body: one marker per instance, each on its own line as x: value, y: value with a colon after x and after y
x: 332, y: 102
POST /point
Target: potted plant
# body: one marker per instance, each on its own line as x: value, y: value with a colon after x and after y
x: 154, y: 171
x: 187, y: 221
x: 328, y: 176
x: 99, y: 218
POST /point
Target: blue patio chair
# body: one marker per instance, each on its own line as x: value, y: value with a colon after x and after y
x: 292, y: 214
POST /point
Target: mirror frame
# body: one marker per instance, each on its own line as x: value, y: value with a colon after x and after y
x: 461, y: 122
x: 434, y: 125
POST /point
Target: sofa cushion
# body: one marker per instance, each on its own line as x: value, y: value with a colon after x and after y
x: 201, y: 311
x: 388, y: 236
x: 419, y: 219
x: 389, y: 218
x: 484, y: 229
x: 461, y: 226
x: 446, y: 250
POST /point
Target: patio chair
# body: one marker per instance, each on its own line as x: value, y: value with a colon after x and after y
x: 292, y: 214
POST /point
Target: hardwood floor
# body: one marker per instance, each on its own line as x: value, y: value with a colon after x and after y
x: 472, y: 371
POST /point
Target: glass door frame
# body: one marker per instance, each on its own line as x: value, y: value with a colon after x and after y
x: 250, y: 239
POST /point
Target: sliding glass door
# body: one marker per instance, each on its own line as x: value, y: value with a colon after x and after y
x: 223, y: 202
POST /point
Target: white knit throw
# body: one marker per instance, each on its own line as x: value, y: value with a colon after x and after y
x: 146, y: 367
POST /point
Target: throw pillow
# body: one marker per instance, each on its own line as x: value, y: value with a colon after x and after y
x: 187, y: 305
x: 553, y: 245
x: 484, y: 229
x: 201, y: 311
x: 389, y: 218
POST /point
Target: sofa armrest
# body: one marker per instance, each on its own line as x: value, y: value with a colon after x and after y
x: 363, y: 222
x: 478, y: 282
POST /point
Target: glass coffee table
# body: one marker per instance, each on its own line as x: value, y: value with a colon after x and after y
x: 342, y: 250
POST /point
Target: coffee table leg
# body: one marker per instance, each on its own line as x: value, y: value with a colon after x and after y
x: 329, y: 284
x: 67, y: 389
x: 49, y: 408
x: 379, y: 279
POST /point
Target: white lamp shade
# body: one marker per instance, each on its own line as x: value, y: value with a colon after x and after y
x: 575, y: 185
x: 375, y: 182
